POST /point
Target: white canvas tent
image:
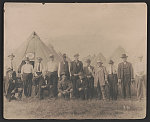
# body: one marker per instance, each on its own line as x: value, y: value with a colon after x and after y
x: 34, y: 48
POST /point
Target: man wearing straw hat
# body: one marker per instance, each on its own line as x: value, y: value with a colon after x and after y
x: 27, y: 75
x: 125, y: 76
x: 100, y: 80
x: 38, y: 69
x: 139, y: 77
x: 75, y: 68
x: 52, y: 76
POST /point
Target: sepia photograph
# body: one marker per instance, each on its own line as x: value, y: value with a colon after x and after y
x: 75, y: 60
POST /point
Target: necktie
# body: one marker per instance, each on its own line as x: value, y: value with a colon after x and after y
x: 39, y: 67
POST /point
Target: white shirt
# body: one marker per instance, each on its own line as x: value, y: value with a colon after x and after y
x: 139, y: 69
x: 111, y: 69
x: 51, y: 66
x: 27, y: 68
x: 36, y: 68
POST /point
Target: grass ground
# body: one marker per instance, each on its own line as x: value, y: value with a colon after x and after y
x: 32, y: 108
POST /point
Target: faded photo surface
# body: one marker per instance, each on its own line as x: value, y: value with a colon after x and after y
x: 75, y: 60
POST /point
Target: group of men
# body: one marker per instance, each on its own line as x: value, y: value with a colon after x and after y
x: 73, y: 80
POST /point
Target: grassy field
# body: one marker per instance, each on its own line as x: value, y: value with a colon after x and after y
x: 32, y: 108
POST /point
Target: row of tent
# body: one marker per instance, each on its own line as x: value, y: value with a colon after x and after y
x: 34, y: 47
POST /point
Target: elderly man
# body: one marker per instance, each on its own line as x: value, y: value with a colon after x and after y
x: 27, y: 75
x: 112, y: 80
x: 64, y: 87
x: 75, y: 68
x: 38, y: 69
x: 100, y: 80
x: 63, y: 67
x: 139, y: 77
x: 89, y: 74
x: 82, y: 87
x: 125, y: 76
x: 52, y: 76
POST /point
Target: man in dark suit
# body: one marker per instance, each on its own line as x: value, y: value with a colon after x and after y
x: 63, y: 67
x: 75, y: 68
x: 82, y: 87
x: 125, y: 76
x: 89, y: 74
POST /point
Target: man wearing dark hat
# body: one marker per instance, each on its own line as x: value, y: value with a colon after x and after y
x: 27, y: 75
x: 52, y: 76
x: 82, y: 87
x: 75, y: 68
x: 63, y: 67
x: 89, y: 74
x: 38, y: 69
x: 125, y: 76
x: 112, y: 80
x: 64, y: 87
x: 100, y: 80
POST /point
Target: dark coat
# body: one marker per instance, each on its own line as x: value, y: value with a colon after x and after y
x: 75, y: 68
x: 87, y: 72
x: 83, y: 85
x: 64, y: 67
x: 125, y: 71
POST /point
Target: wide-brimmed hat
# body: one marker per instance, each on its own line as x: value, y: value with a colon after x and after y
x: 99, y: 61
x: 64, y: 55
x: 26, y: 59
x: 111, y: 62
x: 11, y: 55
x: 124, y: 56
x: 39, y: 58
x: 88, y: 61
x: 76, y: 55
x: 51, y: 56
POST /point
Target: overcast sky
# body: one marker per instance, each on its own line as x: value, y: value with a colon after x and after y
x: 73, y: 27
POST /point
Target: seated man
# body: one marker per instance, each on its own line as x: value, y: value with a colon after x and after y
x: 18, y: 88
x: 82, y: 87
x: 64, y: 87
x: 43, y: 86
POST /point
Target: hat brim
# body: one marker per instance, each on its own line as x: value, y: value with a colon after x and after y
x: 124, y: 57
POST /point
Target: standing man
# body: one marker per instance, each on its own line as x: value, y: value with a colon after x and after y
x: 112, y: 80
x: 63, y: 67
x: 139, y: 77
x: 52, y: 76
x: 125, y: 76
x: 10, y: 65
x: 27, y: 75
x: 75, y: 68
x: 100, y: 80
x: 38, y: 69
x: 89, y: 74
